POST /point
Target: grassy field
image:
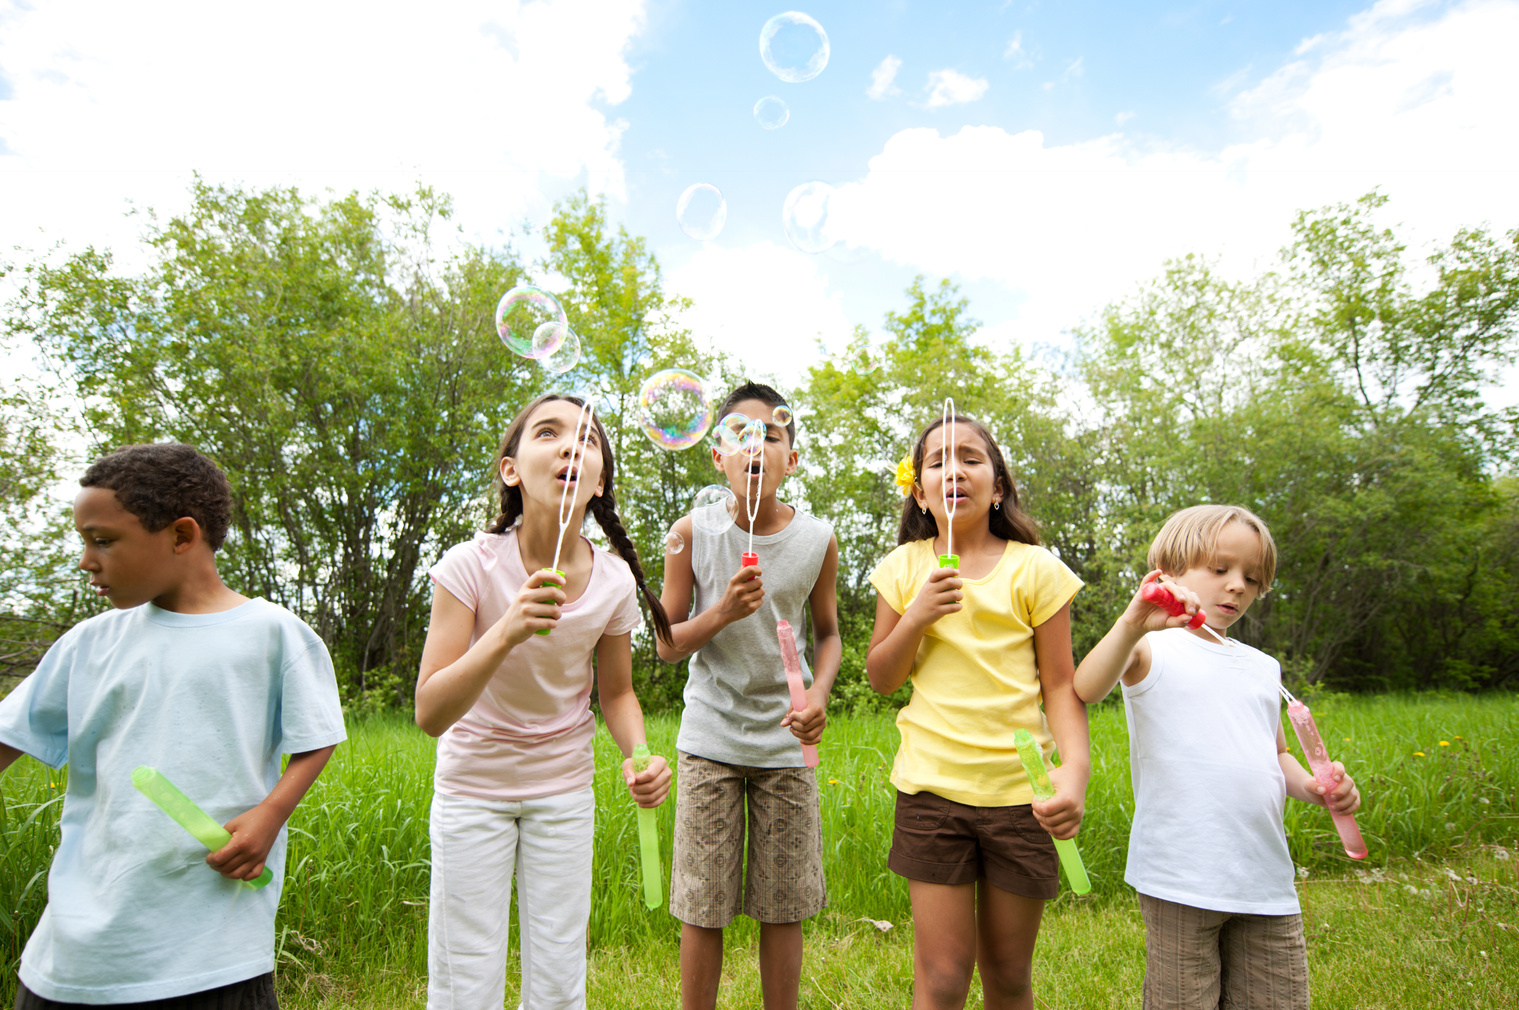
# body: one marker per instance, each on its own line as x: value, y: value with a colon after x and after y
x: 1428, y: 920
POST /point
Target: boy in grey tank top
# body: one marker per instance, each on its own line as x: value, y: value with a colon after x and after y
x: 740, y: 741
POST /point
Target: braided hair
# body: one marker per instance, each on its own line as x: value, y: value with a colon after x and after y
x: 1009, y: 522
x: 603, y: 508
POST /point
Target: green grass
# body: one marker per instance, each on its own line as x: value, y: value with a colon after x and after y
x: 352, y: 925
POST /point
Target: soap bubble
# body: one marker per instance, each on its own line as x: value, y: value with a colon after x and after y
x: 781, y: 415
x: 701, y: 211
x: 736, y: 433
x: 566, y: 352
x: 674, y: 542
x: 805, y: 217
x: 673, y: 408
x: 794, y: 47
x: 714, y: 509
x: 771, y: 112
x: 521, y: 313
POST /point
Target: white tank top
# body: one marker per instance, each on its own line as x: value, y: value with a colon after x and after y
x: 1209, y: 793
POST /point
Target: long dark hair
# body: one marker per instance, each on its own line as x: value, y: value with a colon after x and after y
x: 1009, y: 522
x: 603, y: 507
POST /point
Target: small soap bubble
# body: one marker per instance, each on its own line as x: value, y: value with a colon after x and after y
x: 521, y: 313
x: 701, y: 211
x: 673, y: 408
x: 781, y: 415
x: 771, y: 112
x: 714, y: 509
x: 752, y: 440
x: 794, y: 47
x: 805, y: 217
x: 729, y: 434
x: 566, y: 353
x: 674, y: 542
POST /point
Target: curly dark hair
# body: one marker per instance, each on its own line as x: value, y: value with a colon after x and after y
x: 166, y: 481
x: 1009, y: 522
x: 604, y: 507
x: 764, y: 394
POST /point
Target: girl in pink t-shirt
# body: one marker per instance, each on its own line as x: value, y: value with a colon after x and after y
x: 511, y: 710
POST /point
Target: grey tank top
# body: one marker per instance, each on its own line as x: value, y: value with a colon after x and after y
x: 736, y: 693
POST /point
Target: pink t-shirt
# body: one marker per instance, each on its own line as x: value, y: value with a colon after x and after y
x: 529, y: 734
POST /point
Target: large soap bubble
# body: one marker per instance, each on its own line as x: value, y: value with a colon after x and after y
x: 781, y: 415
x: 737, y: 433
x: 794, y: 47
x: 701, y: 211
x: 805, y: 217
x: 522, y: 313
x: 673, y: 408
x: 566, y: 347
x: 771, y: 112
x: 714, y: 509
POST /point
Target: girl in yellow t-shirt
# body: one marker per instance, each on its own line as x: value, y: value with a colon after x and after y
x: 984, y: 644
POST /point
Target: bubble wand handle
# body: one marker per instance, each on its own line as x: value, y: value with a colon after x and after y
x: 793, y: 664
x: 648, y: 838
x: 152, y: 784
x: 751, y: 511
x: 1323, y: 773
x: 1039, y: 779
x: 1160, y: 596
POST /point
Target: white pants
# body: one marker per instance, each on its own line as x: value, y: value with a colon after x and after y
x: 476, y: 848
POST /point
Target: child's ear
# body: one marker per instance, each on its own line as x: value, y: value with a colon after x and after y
x: 792, y: 459
x: 186, y: 533
x: 509, y: 472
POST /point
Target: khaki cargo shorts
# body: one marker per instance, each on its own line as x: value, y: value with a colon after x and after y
x: 1236, y: 961
x: 709, y: 883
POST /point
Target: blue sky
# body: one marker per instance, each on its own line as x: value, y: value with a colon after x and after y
x: 1074, y: 147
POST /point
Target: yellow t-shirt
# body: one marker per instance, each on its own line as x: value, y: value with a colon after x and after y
x: 974, y: 677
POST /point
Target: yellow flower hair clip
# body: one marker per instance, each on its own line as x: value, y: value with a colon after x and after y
x: 905, y: 477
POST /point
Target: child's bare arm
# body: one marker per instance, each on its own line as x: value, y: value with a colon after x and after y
x: 624, y: 719
x: 8, y: 756
x: 746, y: 590
x: 827, y: 651
x: 1067, y: 716
x: 1123, y: 654
x: 1344, y: 798
x: 254, y: 831
x: 894, y: 643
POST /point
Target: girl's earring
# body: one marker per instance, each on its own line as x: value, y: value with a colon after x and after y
x: 997, y: 505
x: 925, y: 509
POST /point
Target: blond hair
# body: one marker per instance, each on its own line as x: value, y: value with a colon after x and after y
x: 1190, y: 539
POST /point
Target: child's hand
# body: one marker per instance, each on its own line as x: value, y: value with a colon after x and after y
x: 536, y: 607
x: 1344, y: 798
x: 1146, y: 616
x: 745, y: 592
x: 253, y: 834
x: 650, y: 786
x: 1061, y: 815
x: 807, y: 725
x: 940, y: 596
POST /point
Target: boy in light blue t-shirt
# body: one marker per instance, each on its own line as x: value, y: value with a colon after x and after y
x: 209, y: 687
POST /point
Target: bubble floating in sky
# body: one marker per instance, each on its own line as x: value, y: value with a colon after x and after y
x: 737, y: 433
x: 521, y: 313
x: 701, y: 211
x: 673, y: 408
x: 771, y: 112
x: 566, y: 352
x: 752, y: 440
x: 781, y: 415
x: 794, y: 47
x: 714, y: 509
x: 674, y: 542
x: 805, y: 217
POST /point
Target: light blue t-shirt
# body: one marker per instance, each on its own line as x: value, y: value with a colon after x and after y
x: 211, y: 701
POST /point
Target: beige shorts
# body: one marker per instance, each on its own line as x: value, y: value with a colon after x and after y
x: 1233, y: 961
x: 709, y: 883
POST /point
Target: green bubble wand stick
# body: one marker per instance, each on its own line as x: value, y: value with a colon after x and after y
x: 648, y: 838
x: 1033, y: 763
x: 949, y: 467
x: 572, y: 476
x: 152, y: 784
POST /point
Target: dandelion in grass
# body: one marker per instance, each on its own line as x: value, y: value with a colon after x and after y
x: 833, y: 782
x: 1444, y: 743
x: 1418, y: 753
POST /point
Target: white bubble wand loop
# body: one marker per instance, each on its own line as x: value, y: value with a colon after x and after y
x: 752, y: 502
x: 572, y: 476
x: 949, y: 467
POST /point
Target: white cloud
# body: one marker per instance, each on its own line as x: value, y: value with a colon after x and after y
x: 1016, y: 53
x: 882, y: 76
x: 1075, y: 68
x: 1124, y: 116
x: 950, y: 87
x: 1414, y: 107
x: 480, y: 99
x: 767, y: 304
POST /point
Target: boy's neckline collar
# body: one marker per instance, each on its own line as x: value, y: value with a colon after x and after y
x: 173, y: 618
